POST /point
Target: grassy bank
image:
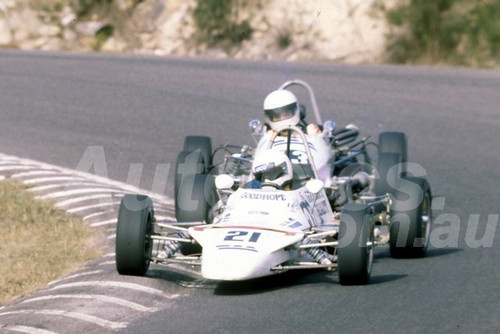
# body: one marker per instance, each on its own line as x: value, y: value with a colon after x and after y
x: 448, y: 32
x: 38, y: 243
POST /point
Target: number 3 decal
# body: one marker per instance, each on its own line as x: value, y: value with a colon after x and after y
x: 298, y: 157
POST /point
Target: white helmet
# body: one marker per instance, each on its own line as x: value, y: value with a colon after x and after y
x: 273, y: 168
x: 281, y: 109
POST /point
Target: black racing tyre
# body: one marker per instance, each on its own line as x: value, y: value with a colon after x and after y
x: 351, y: 169
x: 389, y: 168
x: 393, y: 142
x: 204, y: 145
x: 188, y: 163
x: 133, y: 243
x: 411, y: 218
x: 355, y: 249
x: 196, y: 196
x: 392, y: 151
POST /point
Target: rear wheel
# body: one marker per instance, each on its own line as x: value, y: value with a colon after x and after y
x: 392, y: 156
x: 411, y: 218
x: 133, y: 243
x: 188, y: 163
x: 202, y: 144
x: 196, y: 158
x: 393, y: 142
x: 389, y: 168
x: 196, y: 197
x: 355, y: 249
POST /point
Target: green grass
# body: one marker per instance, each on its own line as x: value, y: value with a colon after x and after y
x: 217, y: 22
x: 38, y: 243
x: 448, y: 32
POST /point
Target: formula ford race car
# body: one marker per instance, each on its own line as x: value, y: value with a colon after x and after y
x: 237, y: 222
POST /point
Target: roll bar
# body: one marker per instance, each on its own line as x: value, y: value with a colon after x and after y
x: 311, y: 96
x: 304, y: 142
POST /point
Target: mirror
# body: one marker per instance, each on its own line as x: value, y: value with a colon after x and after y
x: 314, y: 186
x: 255, y: 125
x: 329, y: 127
x: 224, y: 181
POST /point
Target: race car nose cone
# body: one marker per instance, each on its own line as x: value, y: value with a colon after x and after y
x: 235, y: 264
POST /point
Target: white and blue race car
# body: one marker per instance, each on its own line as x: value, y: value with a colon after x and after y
x: 337, y: 206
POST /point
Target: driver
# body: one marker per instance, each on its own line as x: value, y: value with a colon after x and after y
x: 271, y: 169
x: 281, y: 108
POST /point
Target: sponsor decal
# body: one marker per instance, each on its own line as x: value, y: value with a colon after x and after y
x: 264, y: 197
x: 264, y: 167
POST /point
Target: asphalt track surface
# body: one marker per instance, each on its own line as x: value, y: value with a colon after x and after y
x: 125, y: 118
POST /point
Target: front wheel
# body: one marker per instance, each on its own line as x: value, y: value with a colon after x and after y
x: 355, y: 248
x: 411, y: 218
x: 133, y: 245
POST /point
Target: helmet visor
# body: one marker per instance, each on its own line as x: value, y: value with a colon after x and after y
x: 270, y: 172
x: 282, y: 113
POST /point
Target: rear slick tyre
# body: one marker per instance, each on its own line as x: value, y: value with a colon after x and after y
x: 202, y: 144
x: 389, y: 168
x: 188, y: 163
x: 411, y: 218
x: 393, y: 142
x: 195, y: 198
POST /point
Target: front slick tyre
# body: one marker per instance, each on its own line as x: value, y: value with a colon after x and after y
x: 133, y: 242
x: 355, y: 250
x: 411, y: 218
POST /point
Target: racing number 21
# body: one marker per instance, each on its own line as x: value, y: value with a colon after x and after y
x: 242, y: 236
